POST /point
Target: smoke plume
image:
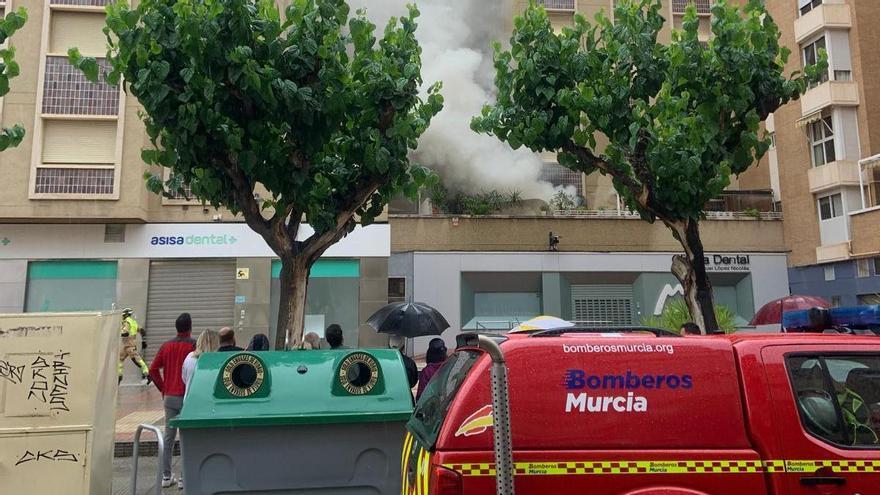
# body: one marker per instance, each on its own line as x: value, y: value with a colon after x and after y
x: 455, y: 36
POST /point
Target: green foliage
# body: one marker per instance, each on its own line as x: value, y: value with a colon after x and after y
x: 314, y: 106
x: 676, y: 314
x: 482, y: 203
x: 562, y: 201
x: 12, y: 22
x: 680, y: 118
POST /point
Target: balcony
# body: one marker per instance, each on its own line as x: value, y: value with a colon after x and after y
x: 826, y: 16
x: 833, y: 252
x: 559, y: 5
x: 865, y: 234
x: 830, y: 93
x: 834, y: 174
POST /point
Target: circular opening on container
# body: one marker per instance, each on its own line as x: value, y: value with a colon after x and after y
x: 244, y: 375
x: 358, y: 374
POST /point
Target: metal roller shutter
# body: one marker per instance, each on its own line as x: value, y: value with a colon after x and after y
x: 204, y: 289
x: 602, y: 305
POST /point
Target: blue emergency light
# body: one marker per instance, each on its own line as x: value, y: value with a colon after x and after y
x: 859, y: 317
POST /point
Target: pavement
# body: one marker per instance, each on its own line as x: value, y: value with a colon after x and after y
x: 146, y: 482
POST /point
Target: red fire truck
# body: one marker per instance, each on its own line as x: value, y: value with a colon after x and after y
x: 644, y: 413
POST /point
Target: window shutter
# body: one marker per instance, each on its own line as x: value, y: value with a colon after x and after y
x: 78, y: 29
x: 78, y: 141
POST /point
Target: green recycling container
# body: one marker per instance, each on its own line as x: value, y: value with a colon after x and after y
x: 295, y: 422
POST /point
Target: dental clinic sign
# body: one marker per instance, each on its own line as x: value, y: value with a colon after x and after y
x: 728, y: 263
x: 172, y: 240
x: 193, y: 240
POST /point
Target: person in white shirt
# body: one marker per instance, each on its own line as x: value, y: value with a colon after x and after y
x: 209, y: 341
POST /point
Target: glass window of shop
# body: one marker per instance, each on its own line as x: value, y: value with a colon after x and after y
x: 70, y: 286
x: 333, y: 297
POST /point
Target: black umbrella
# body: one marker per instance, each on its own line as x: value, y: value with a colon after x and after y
x: 408, y: 320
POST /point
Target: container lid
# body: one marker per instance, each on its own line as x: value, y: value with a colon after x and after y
x: 296, y: 387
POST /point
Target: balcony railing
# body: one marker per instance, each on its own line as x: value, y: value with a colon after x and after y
x: 710, y: 215
x: 560, y: 5
x: 703, y: 6
x: 80, y: 3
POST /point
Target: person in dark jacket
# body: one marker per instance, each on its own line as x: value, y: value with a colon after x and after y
x: 412, y: 371
x: 166, y: 373
x: 435, y: 356
x: 333, y: 336
x: 259, y: 343
x: 227, y: 341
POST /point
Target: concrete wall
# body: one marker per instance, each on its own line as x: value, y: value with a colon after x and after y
x: 531, y: 234
x: 252, y: 316
x: 846, y: 285
x: 866, y: 232
x: 13, y: 283
x: 373, y: 295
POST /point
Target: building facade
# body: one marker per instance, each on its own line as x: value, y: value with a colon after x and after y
x: 80, y: 231
x: 828, y: 183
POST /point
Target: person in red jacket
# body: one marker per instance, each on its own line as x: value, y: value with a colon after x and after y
x: 165, y: 371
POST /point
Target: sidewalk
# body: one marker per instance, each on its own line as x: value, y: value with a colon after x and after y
x: 137, y: 404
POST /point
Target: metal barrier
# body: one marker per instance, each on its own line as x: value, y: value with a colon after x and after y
x: 160, y: 453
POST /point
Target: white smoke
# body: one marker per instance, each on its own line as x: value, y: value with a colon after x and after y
x: 455, y: 36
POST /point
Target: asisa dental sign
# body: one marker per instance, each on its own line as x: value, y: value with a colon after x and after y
x: 623, y: 393
x: 192, y: 240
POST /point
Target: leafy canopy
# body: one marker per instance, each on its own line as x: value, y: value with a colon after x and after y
x: 680, y: 118
x: 310, y: 105
x: 12, y: 22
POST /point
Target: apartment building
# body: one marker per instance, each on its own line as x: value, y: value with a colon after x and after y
x: 609, y: 267
x: 823, y: 160
x: 80, y: 231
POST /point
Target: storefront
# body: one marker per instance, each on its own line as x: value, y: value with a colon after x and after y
x: 223, y: 274
x: 496, y: 290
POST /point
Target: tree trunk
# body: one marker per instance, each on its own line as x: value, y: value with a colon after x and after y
x: 690, y: 269
x: 292, y: 305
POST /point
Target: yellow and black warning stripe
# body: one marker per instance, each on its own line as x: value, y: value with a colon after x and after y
x: 419, y: 462
x: 667, y: 467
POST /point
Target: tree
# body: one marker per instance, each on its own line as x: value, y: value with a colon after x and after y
x: 10, y: 137
x: 679, y: 118
x: 308, y: 109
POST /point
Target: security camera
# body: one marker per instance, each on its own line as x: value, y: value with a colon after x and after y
x: 554, y: 242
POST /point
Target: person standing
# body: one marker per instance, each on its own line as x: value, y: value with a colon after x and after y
x: 259, y: 342
x: 435, y: 356
x: 227, y: 341
x: 208, y: 341
x: 311, y: 342
x: 690, y: 328
x: 412, y: 371
x: 129, y: 348
x: 333, y: 336
x: 166, y: 371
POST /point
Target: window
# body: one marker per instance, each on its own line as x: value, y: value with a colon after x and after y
x: 835, y: 301
x: 567, y: 5
x: 877, y: 266
x: 70, y: 286
x: 869, y: 299
x: 829, y: 273
x: 838, y: 397
x: 703, y: 6
x: 438, y: 395
x: 821, y: 133
x: 811, y: 57
x: 830, y: 207
x: 563, y: 177
x: 808, y: 5
x: 396, y: 289
x: 863, y: 268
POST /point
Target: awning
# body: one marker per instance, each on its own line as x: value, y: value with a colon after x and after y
x: 809, y: 119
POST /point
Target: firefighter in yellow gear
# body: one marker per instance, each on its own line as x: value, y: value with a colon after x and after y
x: 129, y: 349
